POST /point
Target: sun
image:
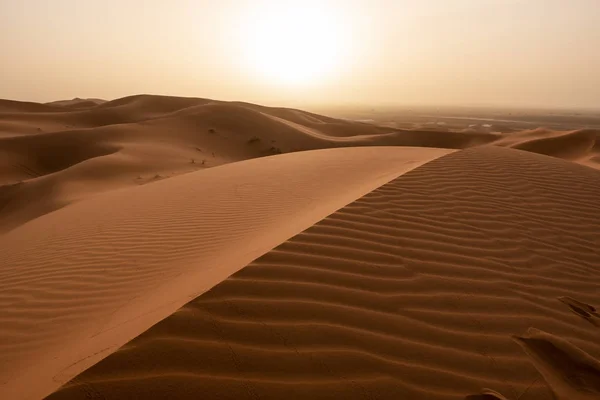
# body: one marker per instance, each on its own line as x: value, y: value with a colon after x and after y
x: 294, y: 42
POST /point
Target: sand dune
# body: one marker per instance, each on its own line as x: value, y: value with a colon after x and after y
x: 79, y: 282
x: 13, y: 106
x: 112, y: 217
x: 413, y: 291
x: 43, y: 172
x: 77, y: 103
x: 51, y: 159
x: 309, y: 130
x: 581, y: 145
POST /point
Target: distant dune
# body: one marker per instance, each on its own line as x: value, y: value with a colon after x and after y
x: 581, y: 146
x: 143, y: 138
x: 49, y: 159
x: 162, y: 247
x: 77, y: 103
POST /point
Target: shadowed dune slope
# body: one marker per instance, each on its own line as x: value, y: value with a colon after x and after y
x: 22, y: 118
x: 79, y: 282
x: 51, y: 159
x: 14, y: 106
x: 411, y: 292
x: 33, y: 118
x: 581, y: 145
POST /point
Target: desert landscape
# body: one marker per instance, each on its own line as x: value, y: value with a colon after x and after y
x: 166, y: 247
x: 300, y: 200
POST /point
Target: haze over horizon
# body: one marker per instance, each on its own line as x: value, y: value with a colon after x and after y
x: 513, y: 53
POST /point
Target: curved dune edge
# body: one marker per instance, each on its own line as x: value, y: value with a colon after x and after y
x: 581, y: 146
x: 82, y: 281
x: 49, y: 160
x: 52, y: 155
x: 413, y: 291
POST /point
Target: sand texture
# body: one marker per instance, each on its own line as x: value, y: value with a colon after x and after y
x: 156, y: 247
x: 413, y: 291
x: 52, y: 156
x: 79, y: 282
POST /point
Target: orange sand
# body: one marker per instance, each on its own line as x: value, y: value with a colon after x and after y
x: 379, y: 272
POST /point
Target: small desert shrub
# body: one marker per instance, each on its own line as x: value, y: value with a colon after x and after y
x: 212, y: 130
x: 275, y: 150
x: 253, y: 139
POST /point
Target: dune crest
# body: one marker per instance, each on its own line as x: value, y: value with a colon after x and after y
x: 77, y: 103
x: 412, y: 291
x: 79, y: 282
x: 61, y: 157
x: 581, y: 145
x: 279, y: 253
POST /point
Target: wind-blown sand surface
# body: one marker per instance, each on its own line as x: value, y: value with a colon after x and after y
x: 582, y: 146
x: 411, y: 292
x: 52, y: 156
x: 361, y: 272
x: 81, y: 281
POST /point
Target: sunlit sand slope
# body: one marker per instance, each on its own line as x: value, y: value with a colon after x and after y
x: 413, y: 291
x: 77, y: 283
x: 52, y: 156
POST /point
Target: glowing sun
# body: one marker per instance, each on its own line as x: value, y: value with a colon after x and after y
x: 294, y: 42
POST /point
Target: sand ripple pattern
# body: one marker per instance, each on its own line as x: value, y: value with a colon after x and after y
x: 411, y: 292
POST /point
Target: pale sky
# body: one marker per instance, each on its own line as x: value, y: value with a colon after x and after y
x: 369, y: 52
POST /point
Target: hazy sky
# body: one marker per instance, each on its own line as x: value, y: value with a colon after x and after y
x: 437, y: 52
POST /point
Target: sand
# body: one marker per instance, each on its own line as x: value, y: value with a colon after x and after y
x: 86, y: 278
x: 51, y: 156
x: 413, y: 291
x: 582, y: 145
x: 376, y: 272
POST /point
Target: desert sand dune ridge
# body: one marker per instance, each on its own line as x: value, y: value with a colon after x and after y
x: 18, y: 118
x: 77, y: 103
x: 115, y: 263
x: 398, y: 269
x: 412, y: 291
x: 54, y: 169
x: 570, y: 145
x: 14, y: 106
x: 141, y: 139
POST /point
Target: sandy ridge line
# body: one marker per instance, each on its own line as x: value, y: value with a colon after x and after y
x: 130, y: 257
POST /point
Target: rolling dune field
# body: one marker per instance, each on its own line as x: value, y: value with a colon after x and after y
x: 161, y: 247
